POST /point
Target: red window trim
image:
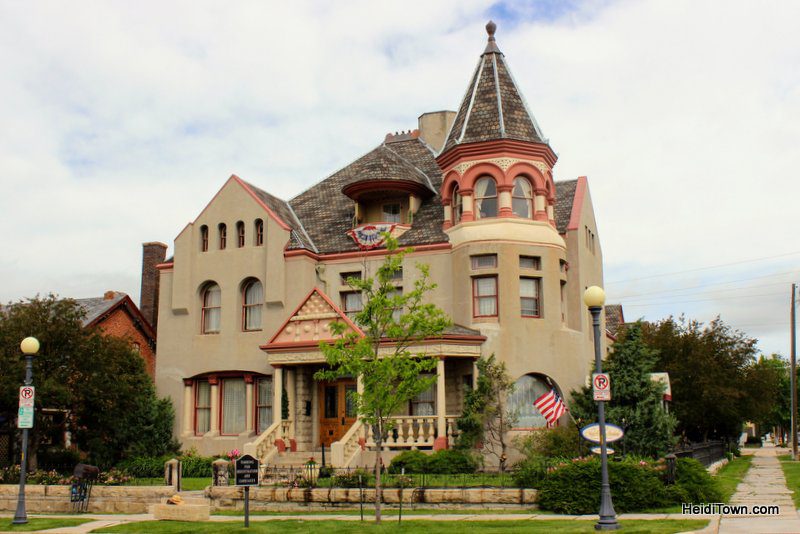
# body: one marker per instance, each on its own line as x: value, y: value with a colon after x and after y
x: 475, y: 297
x: 258, y: 405
x: 196, y: 407
x: 245, y: 305
x: 259, y: 237
x: 240, y: 234
x: 537, y: 298
x: 342, y: 295
x: 476, y: 210
x: 530, y: 200
x: 221, y: 394
x: 203, y: 312
x: 204, y: 238
x: 223, y: 236
x: 537, y: 262
x: 473, y: 261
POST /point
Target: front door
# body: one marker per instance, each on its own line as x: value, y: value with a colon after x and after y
x: 336, y: 411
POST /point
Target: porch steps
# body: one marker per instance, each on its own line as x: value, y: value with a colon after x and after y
x: 298, y: 458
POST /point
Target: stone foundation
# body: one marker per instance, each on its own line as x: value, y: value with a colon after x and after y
x: 280, y: 498
x: 103, y: 500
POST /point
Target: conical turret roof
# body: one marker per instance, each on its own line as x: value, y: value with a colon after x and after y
x: 493, y: 107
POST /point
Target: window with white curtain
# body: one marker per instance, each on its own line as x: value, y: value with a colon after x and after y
x: 352, y: 303
x: 484, y: 294
x: 391, y: 213
x: 233, y: 406
x: 530, y: 297
x: 485, y: 198
x: 425, y: 402
x: 202, y: 407
x: 212, y: 301
x: 252, y: 302
x: 522, y: 198
x: 526, y: 390
x: 263, y: 404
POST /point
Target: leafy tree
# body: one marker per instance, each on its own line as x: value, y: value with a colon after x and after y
x: 99, y: 380
x: 383, y: 358
x: 486, y: 417
x: 769, y: 387
x: 709, y: 368
x: 636, y: 399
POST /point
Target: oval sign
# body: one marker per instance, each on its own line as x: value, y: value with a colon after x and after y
x: 596, y: 450
x: 592, y: 432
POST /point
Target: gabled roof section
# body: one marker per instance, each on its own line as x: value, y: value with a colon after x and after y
x: 565, y: 197
x: 614, y: 318
x: 493, y: 107
x: 328, y: 214
x: 310, y: 323
x: 99, y: 308
x: 283, y: 213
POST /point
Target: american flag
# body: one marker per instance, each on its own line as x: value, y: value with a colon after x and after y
x: 551, y: 407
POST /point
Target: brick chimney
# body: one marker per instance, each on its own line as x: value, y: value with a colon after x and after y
x: 152, y: 254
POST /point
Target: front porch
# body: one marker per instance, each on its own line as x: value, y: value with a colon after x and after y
x: 318, y: 415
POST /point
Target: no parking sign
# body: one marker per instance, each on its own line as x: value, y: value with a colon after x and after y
x: 601, y: 385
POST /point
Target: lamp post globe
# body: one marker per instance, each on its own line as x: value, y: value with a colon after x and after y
x: 594, y: 297
x: 29, y: 347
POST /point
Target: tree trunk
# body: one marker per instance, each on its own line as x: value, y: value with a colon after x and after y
x: 378, y: 489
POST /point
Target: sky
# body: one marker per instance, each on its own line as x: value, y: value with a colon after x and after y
x: 120, y: 120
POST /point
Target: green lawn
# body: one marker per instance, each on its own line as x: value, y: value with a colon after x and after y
x: 731, y: 474
x: 791, y: 470
x: 369, y: 510
x: 410, y: 527
x: 40, y: 523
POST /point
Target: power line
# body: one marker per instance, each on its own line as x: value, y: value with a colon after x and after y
x: 705, y: 268
x: 662, y: 303
x: 672, y: 290
x: 698, y: 293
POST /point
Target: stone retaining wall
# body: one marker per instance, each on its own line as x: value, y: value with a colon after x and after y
x: 104, y: 499
x: 278, y: 498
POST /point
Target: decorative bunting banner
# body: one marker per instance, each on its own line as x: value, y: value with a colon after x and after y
x: 370, y: 236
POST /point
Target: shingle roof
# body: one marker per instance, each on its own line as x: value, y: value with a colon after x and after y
x: 565, y: 196
x: 614, y: 318
x: 281, y: 208
x: 493, y: 107
x: 97, y: 306
x: 327, y: 214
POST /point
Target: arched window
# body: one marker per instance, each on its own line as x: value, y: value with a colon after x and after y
x: 485, y: 198
x: 259, y: 233
x: 240, y: 234
x: 252, y: 299
x: 522, y: 198
x: 204, y: 238
x: 526, y: 390
x: 456, y: 203
x: 223, y: 236
x: 212, y: 307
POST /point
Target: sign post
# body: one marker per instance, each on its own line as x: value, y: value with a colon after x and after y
x: 246, y: 475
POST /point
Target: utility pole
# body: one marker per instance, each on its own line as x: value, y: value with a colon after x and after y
x: 793, y: 349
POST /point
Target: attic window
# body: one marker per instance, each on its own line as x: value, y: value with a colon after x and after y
x: 223, y: 236
x: 204, y: 238
x: 240, y: 234
x: 391, y: 212
x: 259, y: 234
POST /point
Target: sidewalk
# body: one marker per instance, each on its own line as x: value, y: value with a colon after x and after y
x: 764, y: 484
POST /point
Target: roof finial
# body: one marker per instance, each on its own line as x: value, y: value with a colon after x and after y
x: 491, y: 46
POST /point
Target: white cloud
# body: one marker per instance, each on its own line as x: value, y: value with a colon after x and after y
x: 120, y: 121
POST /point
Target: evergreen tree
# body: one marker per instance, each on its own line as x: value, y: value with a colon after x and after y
x: 636, y: 400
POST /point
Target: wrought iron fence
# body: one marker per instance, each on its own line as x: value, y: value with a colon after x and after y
x: 706, y: 453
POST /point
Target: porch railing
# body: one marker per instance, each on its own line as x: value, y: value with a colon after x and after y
x: 263, y: 447
x: 408, y: 431
x: 344, y: 451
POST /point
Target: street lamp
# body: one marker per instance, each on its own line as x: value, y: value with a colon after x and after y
x: 594, y: 297
x: 29, y: 346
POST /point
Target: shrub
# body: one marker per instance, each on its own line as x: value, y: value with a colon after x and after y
x: 350, y: 479
x: 694, y: 482
x: 574, y: 487
x: 451, y: 462
x: 144, y: 466
x: 559, y: 442
x: 325, y: 472
x: 531, y: 472
x: 195, y: 466
x: 58, y: 458
x: 412, y: 461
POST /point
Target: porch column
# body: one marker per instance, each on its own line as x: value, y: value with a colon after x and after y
x: 188, y: 406
x: 249, y: 402
x: 213, y: 381
x: 277, y: 394
x: 291, y: 392
x: 441, y: 407
x: 475, y: 373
